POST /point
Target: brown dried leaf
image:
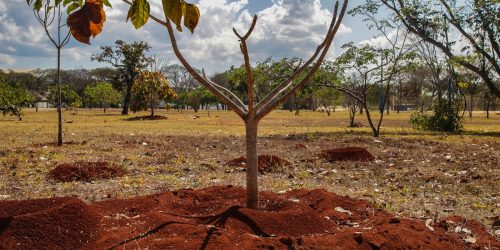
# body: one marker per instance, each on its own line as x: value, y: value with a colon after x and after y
x: 87, y: 21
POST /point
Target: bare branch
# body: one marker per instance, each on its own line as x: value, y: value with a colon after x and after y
x: 268, y: 107
x: 240, y: 110
x: 289, y: 81
x: 252, y: 26
x: 248, y: 67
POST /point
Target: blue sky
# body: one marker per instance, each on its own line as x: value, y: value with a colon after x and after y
x: 286, y: 28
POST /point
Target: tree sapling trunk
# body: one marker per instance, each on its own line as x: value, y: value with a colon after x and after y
x: 59, y: 99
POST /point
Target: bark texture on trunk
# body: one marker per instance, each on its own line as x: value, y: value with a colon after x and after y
x: 252, y: 165
x: 59, y: 99
x: 128, y: 97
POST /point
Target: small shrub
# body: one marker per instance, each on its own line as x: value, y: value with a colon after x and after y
x: 445, y: 118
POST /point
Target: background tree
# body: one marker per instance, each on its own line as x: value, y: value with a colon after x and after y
x: 13, y: 98
x: 103, y: 95
x: 489, y: 101
x: 27, y: 81
x: 370, y: 70
x: 469, y: 85
x: 476, y: 22
x: 129, y: 59
x: 151, y: 88
x: 69, y: 98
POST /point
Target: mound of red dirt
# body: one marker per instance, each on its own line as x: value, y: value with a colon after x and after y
x: 215, y: 218
x: 85, y: 171
x: 266, y: 163
x: 347, y: 154
x: 59, y: 223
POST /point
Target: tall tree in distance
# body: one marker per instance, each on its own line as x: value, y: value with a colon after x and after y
x: 129, y: 59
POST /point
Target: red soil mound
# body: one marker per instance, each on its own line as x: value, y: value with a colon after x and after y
x: 347, y: 154
x: 266, y: 163
x: 215, y: 218
x: 85, y: 171
x: 60, y: 223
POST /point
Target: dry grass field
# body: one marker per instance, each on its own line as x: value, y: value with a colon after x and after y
x: 419, y: 174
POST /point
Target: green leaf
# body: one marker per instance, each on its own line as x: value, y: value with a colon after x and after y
x: 191, y: 17
x: 57, y: 2
x: 174, y: 10
x: 72, y: 7
x: 107, y: 3
x: 65, y: 2
x: 38, y: 5
x: 139, y: 13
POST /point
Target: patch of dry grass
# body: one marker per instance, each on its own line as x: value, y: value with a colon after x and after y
x: 415, y: 173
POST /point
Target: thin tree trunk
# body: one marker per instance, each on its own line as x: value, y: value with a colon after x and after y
x: 252, y: 164
x: 59, y: 99
x: 352, y: 115
x: 488, y: 110
x: 128, y: 96
x: 372, y: 126
x: 470, y: 106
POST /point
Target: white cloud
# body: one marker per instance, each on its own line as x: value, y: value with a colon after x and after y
x: 3, y: 7
x: 286, y: 29
x: 291, y: 28
x: 380, y: 41
x: 6, y: 60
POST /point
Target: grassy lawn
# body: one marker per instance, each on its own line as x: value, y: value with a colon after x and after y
x: 415, y: 173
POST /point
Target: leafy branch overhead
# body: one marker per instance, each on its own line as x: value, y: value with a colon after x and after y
x: 86, y: 18
x: 175, y: 10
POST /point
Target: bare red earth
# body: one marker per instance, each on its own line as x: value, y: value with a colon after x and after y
x: 347, y: 154
x: 266, y: 163
x: 85, y: 171
x: 215, y: 218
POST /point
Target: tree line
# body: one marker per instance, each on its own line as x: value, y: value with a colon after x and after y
x: 351, y: 81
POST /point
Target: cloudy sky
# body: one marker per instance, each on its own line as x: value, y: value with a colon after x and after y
x: 285, y: 28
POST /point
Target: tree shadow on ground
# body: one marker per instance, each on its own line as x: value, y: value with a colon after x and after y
x: 316, y: 135
x: 146, y: 118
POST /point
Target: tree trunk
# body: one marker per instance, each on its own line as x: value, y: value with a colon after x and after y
x: 470, y: 106
x: 376, y: 132
x: 128, y: 96
x: 59, y: 99
x: 488, y: 110
x: 152, y: 109
x: 252, y: 164
x: 352, y: 115
x: 36, y: 107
